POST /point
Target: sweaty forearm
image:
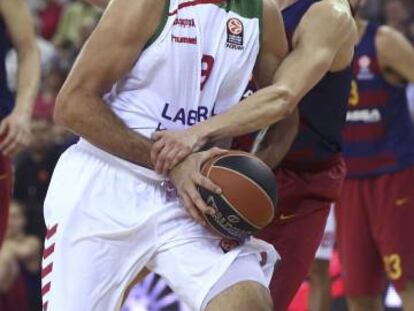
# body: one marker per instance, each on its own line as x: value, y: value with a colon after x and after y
x: 28, y: 78
x: 90, y: 118
x: 278, y: 140
x: 278, y: 101
x: 258, y: 111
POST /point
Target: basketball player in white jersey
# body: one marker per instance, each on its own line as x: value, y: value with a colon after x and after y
x: 322, y: 36
x: 328, y: 33
x: 152, y: 65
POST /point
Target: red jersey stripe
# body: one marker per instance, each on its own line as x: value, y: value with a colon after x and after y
x: 193, y: 3
x: 363, y: 132
x: 373, y: 99
x: 367, y: 164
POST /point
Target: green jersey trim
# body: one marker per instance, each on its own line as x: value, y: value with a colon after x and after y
x: 161, y: 25
x: 245, y: 8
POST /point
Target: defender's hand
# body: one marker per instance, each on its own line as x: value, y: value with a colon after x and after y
x: 171, y: 147
x: 16, y: 131
x: 186, y: 177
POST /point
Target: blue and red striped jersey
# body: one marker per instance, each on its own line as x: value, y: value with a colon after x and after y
x: 6, y: 96
x: 379, y: 135
x: 322, y: 110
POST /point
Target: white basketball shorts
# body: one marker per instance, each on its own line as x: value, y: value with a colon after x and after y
x: 106, y: 223
x: 326, y: 247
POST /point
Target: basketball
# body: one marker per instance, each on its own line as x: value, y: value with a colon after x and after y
x: 249, y: 194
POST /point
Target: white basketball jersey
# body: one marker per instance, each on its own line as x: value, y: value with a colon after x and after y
x: 197, y: 65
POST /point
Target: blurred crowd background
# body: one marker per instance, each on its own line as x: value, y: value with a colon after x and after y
x: 62, y: 28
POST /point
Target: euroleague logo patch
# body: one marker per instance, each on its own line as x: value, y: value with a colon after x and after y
x: 235, y: 26
x: 364, y: 70
x: 364, y: 61
x: 235, y: 34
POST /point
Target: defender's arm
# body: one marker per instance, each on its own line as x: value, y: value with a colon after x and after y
x: 171, y: 147
x: 19, y: 23
x: 110, y: 52
x: 316, y: 51
x: 324, y: 31
x: 278, y: 140
x: 274, y: 45
x: 253, y: 109
x: 395, y: 52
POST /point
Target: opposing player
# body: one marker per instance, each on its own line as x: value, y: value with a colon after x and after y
x: 153, y: 64
x: 16, y: 29
x: 376, y: 208
x: 322, y: 35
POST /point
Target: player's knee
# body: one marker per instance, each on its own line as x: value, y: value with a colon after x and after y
x: 256, y: 297
x: 244, y: 296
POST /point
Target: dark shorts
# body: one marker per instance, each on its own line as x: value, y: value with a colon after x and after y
x: 5, y: 193
x: 375, y: 232
x: 297, y: 230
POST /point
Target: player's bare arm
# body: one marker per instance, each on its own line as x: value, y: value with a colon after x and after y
x: 278, y: 140
x: 279, y: 136
x: 400, y: 58
x: 16, y: 127
x: 108, y: 55
x: 327, y: 47
x: 274, y: 49
x: 274, y: 45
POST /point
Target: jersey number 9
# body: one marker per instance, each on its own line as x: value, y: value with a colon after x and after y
x: 207, y: 63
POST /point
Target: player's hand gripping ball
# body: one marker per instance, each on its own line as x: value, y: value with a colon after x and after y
x: 249, y: 194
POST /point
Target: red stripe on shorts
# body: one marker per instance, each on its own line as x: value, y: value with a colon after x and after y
x: 45, y: 289
x: 47, y: 270
x: 45, y: 305
x: 51, y: 232
x: 48, y: 251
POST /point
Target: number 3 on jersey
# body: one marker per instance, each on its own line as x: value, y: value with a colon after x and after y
x: 393, y: 266
x: 354, y: 95
x: 207, y: 63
